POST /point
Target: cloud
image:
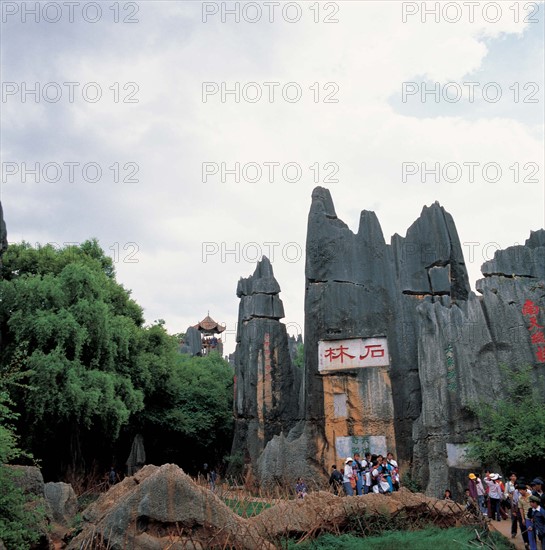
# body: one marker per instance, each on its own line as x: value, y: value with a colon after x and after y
x: 170, y: 213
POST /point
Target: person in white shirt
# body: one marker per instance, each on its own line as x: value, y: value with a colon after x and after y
x: 494, y: 494
x: 347, y: 477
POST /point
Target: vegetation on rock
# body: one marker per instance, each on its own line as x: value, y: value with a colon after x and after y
x: 512, y: 432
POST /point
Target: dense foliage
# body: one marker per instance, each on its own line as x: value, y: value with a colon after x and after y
x: 18, y: 521
x: 94, y: 375
x: 512, y: 432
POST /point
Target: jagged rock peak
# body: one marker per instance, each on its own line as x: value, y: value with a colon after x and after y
x: 536, y: 239
x: 321, y: 197
x: 369, y: 228
x: 519, y: 260
x: 261, y: 282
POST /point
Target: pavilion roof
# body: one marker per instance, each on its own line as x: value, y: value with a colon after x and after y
x: 209, y: 325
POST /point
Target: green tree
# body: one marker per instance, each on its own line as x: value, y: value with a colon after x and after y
x: 76, y: 332
x: 19, y: 522
x: 191, y: 408
x: 299, y: 360
x: 512, y: 432
x: 93, y: 374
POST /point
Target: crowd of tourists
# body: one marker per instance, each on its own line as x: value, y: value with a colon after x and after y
x: 372, y: 474
x: 518, y: 501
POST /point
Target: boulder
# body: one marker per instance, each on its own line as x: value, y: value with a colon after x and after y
x: 62, y: 501
x: 162, y: 507
x: 29, y: 479
x: 323, y: 512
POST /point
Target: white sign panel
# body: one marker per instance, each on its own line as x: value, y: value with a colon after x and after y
x: 346, y: 446
x: 456, y: 456
x: 336, y: 355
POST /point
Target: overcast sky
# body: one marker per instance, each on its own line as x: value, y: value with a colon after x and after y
x: 331, y: 91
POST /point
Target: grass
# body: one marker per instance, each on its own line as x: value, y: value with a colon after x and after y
x: 427, y: 539
x: 246, y: 508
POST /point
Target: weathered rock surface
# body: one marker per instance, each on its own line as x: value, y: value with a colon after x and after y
x: 3, y: 234
x: 321, y: 512
x: 162, y: 507
x: 445, y: 343
x: 360, y: 287
x: 3, y: 245
x: 266, y: 383
x: 30, y: 480
x: 192, y: 342
x: 62, y: 501
x: 137, y: 456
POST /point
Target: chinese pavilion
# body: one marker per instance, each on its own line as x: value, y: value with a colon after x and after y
x: 209, y: 329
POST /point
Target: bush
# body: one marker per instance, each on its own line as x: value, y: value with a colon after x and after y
x: 20, y: 517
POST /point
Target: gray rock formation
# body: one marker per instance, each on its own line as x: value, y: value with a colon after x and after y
x: 3, y: 246
x: 62, y: 501
x: 30, y: 480
x: 266, y: 383
x: 445, y: 344
x: 3, y: 235
x: 192, y: 342
x: 137, y: 457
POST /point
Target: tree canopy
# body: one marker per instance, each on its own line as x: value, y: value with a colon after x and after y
x: 94, y: 375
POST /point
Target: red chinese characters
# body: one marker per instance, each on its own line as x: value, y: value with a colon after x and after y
x: 376, y: 350
x: 352, y: 354
x: 530, y: 310
x: 337, y: 353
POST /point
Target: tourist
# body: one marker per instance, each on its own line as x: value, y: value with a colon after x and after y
x: 301, y: 488
x: 508, y: 494
x: 336, y: 480
x: 447, y: 495
x: 357, y: 468
x: 537, y: 490
x: 537, y: 515
x: 494, y: 494
x: 348, y: 476
x: 379, y: 475
x: 394, y: 470
x: 367, y: 473
x: 523, y: 506
x: 476, y: 491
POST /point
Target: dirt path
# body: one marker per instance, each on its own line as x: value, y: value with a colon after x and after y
x: 504, y: 527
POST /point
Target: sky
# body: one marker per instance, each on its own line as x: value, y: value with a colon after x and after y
x: 187, y: 137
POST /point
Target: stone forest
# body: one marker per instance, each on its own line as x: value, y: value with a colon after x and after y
x: 399, y: 355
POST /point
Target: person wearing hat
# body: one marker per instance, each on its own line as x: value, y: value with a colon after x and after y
x: 476, y: 491
x: 495, y: 494
x: 537, y: 516
x: 347, y: 477
x: 537, y: 490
